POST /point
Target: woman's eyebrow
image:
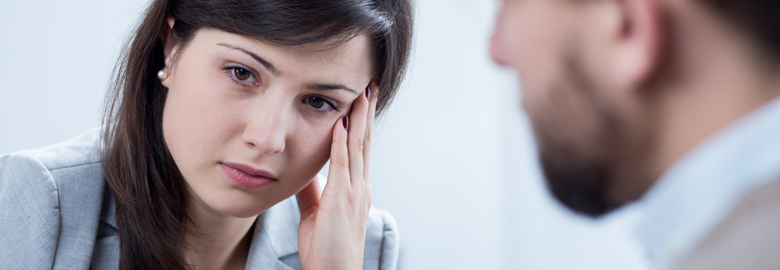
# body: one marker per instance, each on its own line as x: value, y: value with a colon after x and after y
x: 270, y: 67
x: 330, y: 86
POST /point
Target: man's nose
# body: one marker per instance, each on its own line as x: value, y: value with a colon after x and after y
x: 497, y: 48
x: 497, y: 51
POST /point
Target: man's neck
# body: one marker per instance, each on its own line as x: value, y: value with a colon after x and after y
x: 715, y: 79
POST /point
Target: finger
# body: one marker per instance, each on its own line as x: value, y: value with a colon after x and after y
x: 338, y: 172
x: 309, y: 198
x: 356, y: 141
x: 373, y: 97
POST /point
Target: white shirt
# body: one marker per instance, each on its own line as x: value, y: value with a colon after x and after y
x: 697, y: 193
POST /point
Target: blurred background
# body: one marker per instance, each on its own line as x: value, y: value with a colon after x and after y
x: 454, y: 159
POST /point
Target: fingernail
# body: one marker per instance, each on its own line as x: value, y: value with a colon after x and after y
x: 345, y: 121
x: 368, y: 92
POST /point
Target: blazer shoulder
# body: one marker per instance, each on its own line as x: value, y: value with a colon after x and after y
x: 78, y: 151
x: 45, y: 192
x: 29, y: 212
x: 382, y: 241
x: 747, y: 238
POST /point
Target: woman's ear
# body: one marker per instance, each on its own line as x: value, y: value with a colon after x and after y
x: 169, y: 43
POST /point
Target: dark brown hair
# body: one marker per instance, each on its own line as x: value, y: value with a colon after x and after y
x: 759, y: 18
x: 151, y: 201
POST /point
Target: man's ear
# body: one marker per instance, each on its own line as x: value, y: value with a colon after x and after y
x: 637, y: 42
x: 169, y: 43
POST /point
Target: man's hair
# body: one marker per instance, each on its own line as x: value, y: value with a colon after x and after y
x: 759, y: 18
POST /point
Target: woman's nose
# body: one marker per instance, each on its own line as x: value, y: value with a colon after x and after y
x: 266, y: 131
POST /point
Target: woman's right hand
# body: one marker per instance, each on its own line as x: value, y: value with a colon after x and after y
x: 332, y: 231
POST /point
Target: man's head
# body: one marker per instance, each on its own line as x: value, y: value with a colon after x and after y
x: 617, y: 90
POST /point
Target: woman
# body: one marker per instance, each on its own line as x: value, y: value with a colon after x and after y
x: 221, y: 112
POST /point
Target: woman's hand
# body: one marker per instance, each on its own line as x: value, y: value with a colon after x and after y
x: 333, y: 228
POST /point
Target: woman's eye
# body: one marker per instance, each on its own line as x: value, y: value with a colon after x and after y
x: 320, y: 104
x: 316, y: 102
x: 242, y: 74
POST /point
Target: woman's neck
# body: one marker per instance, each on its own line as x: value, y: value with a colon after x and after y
x: 215, y: 240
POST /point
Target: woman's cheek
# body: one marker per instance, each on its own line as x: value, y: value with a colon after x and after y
x: 193, y: 123
x: 312, y: 149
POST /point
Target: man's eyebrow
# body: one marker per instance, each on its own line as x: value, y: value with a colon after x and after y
x: 270, y: 67
x: 329, y: 86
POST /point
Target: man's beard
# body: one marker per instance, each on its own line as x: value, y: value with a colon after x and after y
x: 578, y: 184
x: 579, y: 171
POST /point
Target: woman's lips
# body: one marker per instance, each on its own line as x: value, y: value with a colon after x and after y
x: 247, y: 176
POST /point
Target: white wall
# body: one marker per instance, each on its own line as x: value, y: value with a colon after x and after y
x: 55, y: 61
x: 454, y: 159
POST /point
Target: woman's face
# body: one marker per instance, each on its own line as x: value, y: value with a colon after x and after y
x: 248, y: 123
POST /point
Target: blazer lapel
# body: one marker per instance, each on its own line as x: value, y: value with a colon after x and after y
x: 106, y: 252
x: 80, y: 197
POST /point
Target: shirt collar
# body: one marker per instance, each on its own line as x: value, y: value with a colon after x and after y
x: 693, y: 196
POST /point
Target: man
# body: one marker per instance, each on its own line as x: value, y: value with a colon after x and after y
x: 674, y: 103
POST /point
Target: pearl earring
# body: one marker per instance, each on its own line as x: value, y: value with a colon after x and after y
x: 162, y: 75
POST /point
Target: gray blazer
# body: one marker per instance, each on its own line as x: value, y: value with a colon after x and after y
x: 56, y: 212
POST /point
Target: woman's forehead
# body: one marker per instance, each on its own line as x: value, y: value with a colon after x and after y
x: 349, y: 60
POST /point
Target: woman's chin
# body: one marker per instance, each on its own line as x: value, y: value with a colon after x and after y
x: 240, y: 204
